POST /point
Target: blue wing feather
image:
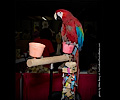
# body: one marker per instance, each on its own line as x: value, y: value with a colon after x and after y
x: 80, y: 35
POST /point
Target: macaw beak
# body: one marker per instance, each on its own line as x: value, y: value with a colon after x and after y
x: 57, y: 17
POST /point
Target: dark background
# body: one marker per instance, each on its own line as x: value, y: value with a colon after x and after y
x: 84, y: 10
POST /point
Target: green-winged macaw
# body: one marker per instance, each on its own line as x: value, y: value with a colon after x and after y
x: 71, y: 27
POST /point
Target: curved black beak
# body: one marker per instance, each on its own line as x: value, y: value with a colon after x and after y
x: 58, y: 18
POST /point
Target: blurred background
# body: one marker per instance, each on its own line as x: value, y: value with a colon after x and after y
x: 40, y: 13
x: 32, y: 13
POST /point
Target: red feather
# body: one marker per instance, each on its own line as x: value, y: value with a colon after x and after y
x: 69, y: 25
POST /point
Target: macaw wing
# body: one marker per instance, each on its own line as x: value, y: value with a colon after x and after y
x: 63, y: 30
x: 80, y: 35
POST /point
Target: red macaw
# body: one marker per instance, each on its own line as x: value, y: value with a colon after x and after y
x: 71, y: 27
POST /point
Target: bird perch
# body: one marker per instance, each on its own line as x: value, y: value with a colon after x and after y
x: 47, y: 60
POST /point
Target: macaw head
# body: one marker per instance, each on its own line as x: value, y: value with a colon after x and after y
x: 60, y: 14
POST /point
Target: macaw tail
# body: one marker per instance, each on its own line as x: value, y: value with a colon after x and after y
x: 80, y: 35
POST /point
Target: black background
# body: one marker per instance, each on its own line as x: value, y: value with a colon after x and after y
x: 89, y: 10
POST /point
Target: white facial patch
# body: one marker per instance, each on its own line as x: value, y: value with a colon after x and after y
x: 60, y: 14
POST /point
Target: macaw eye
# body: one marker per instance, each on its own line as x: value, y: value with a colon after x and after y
x: 60, y: 14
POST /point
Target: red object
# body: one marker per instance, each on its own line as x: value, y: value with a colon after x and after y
x: 69, y: 25
x: 36, y: 49
x: 67, y: 48
x: 17, y: 85
x: 49, y: 47
x: 36, y: 85
x: 87, y: 85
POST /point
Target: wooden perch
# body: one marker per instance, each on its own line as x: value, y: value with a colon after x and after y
x: 47, y: 60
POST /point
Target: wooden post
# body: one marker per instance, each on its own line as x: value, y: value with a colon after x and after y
x: 47, y: 60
